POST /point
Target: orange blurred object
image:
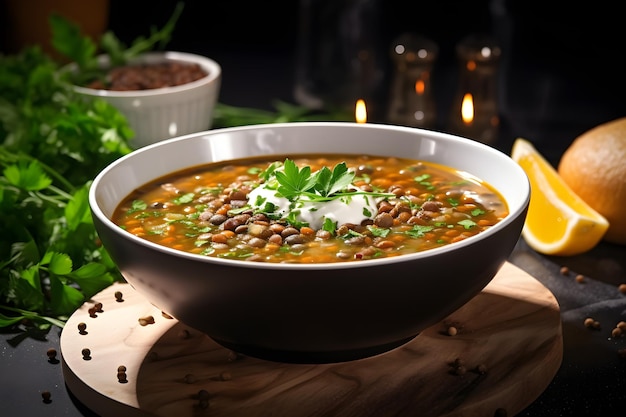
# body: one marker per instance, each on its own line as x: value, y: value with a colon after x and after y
x: 27, y: 21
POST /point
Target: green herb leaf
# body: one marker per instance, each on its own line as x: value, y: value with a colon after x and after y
x: 64, y: 298
x: 328, y: 183
x: 329, y: 225
x: 60, y: 264
x: 293, y: 181
x: 477, y: 212
x: 419, y: 230
x: 68, y: 40
x: 27, y: 175
x: 77, y: 209
x: 379, y: 231
x: 92, y: 278
x: 467, y: 223
x: 184, y: 199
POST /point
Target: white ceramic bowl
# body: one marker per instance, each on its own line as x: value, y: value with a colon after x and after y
x: 168, y: 112
x: 311, y: 313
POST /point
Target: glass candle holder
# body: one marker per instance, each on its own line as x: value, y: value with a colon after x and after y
x: 411, y: 101
x: 475, y: 107
x: 338, y: 56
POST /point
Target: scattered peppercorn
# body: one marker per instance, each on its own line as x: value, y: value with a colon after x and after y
x: 121, y: 368
x: 621, y: 325
x: 92, y: 312
x: 564, y: 270
x: 233, y: 356
x: 122, y: 377
x: 622, y: 288
x: 184, y: 334
x: 98, y: 307
x: 190, y: 378
x: 46, y: 396
x: 452, y: 331
x: 119, y: 297
x: 144, y: 321
x: 86, y: 354
x: 580, y: 278
x: 82, y: 328
x: 52, y: 354
x: 616, y: 332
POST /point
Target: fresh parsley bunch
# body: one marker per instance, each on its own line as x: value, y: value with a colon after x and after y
x: 52, y: 144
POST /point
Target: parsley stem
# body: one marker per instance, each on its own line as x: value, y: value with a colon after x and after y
x: 313, y: 197
x: 32, y: 315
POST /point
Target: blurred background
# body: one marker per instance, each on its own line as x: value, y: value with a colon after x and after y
x: 560, y: 70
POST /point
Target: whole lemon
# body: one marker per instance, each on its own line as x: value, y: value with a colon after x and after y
x: 594, y: 166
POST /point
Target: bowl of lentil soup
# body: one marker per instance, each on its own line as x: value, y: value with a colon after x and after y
x: 311, y: 242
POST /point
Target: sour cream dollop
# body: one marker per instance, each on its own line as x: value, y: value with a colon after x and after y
x: 352, y: 209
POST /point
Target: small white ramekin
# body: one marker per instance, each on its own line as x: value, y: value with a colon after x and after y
x: 164, y: 113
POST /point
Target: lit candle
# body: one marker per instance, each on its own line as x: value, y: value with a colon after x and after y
x: 467, y: 109
x: 360, y: 111
x: 420, y: 86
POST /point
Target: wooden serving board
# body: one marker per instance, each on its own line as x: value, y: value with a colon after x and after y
x: 509, y: 344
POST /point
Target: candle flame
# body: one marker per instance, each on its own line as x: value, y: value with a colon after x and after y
x: 360, y: 111
x: 467, y: 108
x: 419, y: 87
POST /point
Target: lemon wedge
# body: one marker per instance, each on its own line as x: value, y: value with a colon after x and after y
x: 558, y: 222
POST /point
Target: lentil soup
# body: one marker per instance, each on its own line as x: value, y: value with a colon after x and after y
x: 311, y: 209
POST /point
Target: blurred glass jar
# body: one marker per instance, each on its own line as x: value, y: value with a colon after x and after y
x: 338, y: 56
x: 475, y: 112
x: 411, y: 101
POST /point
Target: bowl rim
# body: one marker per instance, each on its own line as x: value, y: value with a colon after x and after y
x: 211, y: 66
x: 514, y: 212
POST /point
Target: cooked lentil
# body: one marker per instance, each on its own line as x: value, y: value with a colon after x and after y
x: 207, y: 210
x: 149, y: 76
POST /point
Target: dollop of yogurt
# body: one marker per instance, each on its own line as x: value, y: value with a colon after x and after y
x: 349, y: 209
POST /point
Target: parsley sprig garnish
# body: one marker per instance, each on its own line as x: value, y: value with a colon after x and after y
x: 301, y: 184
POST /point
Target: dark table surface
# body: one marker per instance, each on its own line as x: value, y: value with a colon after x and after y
x: 544, y: 104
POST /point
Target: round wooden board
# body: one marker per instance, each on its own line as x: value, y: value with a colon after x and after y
x: 509, y: 343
